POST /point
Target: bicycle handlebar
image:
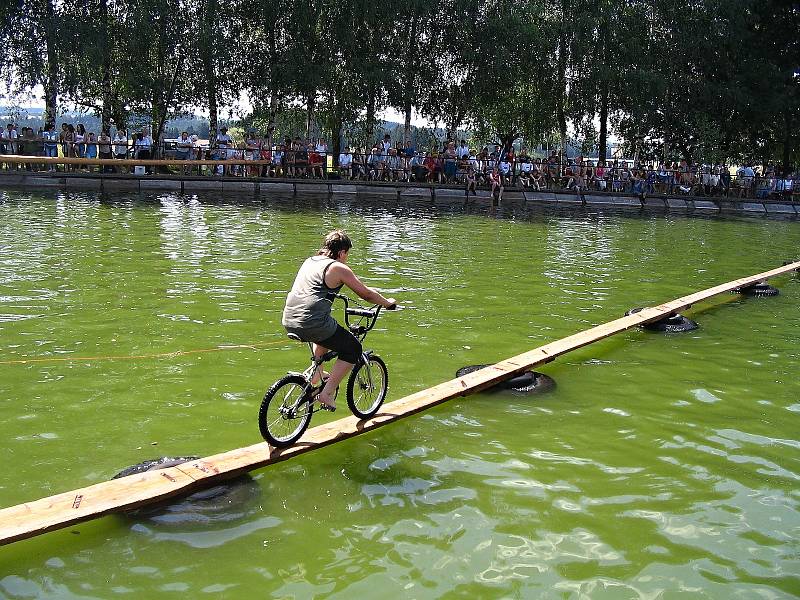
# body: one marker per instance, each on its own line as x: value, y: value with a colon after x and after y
x: 368, y: 313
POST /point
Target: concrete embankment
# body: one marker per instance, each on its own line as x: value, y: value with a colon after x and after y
x: 401, y: 191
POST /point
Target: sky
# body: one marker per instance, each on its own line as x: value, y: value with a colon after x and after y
x: 34, y: 99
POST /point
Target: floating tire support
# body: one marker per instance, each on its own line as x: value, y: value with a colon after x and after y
x: 762, y: 289
x: 674, y: 323
x: 83, y: 504
x: 528, y: 382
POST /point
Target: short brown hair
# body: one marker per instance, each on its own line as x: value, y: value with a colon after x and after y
x: 336, y: 241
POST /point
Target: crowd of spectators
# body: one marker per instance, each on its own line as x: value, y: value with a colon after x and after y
x: 454, y: 162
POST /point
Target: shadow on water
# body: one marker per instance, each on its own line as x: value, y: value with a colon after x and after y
x: 224, y: 503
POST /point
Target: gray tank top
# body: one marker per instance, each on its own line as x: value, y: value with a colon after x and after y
x: 308, y: 306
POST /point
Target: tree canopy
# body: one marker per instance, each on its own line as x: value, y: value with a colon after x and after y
x: 704, y: 80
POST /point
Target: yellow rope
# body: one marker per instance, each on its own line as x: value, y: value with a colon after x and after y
x: 24, y: 361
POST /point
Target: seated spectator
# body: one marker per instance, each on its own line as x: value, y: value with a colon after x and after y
x: 120, y: 146
x: 463, y: 150
x: 471, y: 180
x: 252, y: 151
x: 496, y: 184
x: 449, y: 166
x: 183, y: 150
x: 80, y: 141
x: 51, y: 137
x: 525, y: 168
x: 315, y: 164
x: 599, y: 176
x: 417, y: 165
x: 537, y: 178
x: 69, y: 143
x: 301, y: 160
x: 322, y: 150
x: 346, y: 163
x: 104, y: 150
x: 394, y: 168
x: 265, y: 155
x: 359, y: 164
x: 375, y: 165
x: 143, y: 144
x: 430, y: 167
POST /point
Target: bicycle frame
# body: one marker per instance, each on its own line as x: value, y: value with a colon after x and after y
x: 358, y: 329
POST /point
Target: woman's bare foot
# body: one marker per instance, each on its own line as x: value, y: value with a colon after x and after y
x: 326, y: 401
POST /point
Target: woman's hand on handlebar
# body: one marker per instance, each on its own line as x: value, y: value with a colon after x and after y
x: 391, y: 304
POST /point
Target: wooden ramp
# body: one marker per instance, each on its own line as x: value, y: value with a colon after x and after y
x: 40, y: 516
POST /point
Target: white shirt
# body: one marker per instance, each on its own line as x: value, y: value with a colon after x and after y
x: 322, y: 148
x: 146, y: 141
x: 184, y: 144
x: 525, y: 167
x: 121, y: 142
x: 462, y: 152
x: 345, y: 159
x: 223, y: 140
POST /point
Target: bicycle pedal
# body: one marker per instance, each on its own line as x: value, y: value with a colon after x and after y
x: 326, y: 407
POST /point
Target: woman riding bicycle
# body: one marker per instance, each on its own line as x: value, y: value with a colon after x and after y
x: 307, y: 313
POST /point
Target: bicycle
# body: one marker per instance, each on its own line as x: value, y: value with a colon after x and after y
x: 289, y: 402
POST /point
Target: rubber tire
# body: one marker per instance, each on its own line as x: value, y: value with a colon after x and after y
x: 376, y: 362
x: 271, y: 396
x: 518, y: 381
x: 674, y: 324
x: 762, y: 290
x: 541, y: 385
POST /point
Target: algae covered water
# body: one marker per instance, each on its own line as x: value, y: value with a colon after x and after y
x: 662, y: 466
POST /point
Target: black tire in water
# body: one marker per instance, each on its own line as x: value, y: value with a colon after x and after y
x: 760, y: 289
x: 676, y: 323
x: 280, y: 425
x: 527, y: 382
x: 367, y: 387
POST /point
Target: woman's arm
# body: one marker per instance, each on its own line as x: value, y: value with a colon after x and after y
x: 339, y: 273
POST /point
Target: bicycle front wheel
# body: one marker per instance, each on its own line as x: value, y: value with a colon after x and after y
x: 285, y: 412
x: 367, y: 387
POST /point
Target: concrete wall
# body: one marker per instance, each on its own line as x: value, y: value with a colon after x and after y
x: 400, y: 191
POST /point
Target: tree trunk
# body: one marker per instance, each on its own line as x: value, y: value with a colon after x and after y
x: 161, y: 111
x: 787, y: 142
x: 408, y: 82
x: 310, y: 104
x: 562, y: 78
x: 371, y: 101
x: 105, y: 114
x: 210, y: 75
x: 602, y: 52
x: 51, y: 75
x: 507, y: 139
x: 603, y: 150
x: 272, y: 110
x: 336, y: 131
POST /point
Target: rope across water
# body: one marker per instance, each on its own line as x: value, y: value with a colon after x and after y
x: 46, y: 359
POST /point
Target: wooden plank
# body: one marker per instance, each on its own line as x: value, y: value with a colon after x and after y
x: 62, y: 510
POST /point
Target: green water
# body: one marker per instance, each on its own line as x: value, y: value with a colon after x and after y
x: 661, y: 467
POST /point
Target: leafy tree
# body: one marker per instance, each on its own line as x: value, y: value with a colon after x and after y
x: 29, y: 34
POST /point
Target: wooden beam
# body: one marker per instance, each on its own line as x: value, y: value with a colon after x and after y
x: 62, y: 510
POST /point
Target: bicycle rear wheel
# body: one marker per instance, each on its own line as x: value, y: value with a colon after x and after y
x: 367, y: 387
x: 285, y: 413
